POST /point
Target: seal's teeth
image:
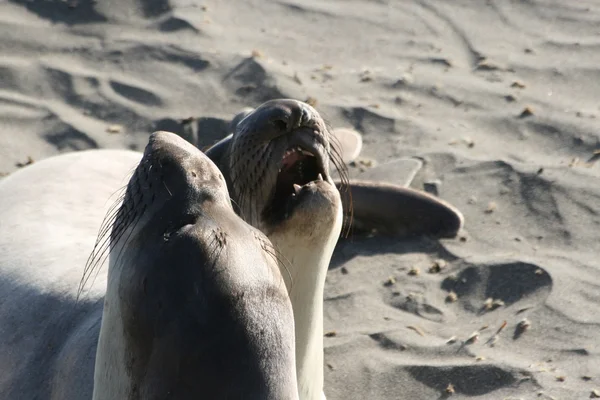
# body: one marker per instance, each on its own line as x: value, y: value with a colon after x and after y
x: 297, y: 188
x: 320, y: 177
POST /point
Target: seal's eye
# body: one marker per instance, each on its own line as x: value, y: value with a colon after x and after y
x: 280, y: 125
x: 179, y: 224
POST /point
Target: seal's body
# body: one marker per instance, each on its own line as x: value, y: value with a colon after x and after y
x: 195, y: 306
x: 277, y: 167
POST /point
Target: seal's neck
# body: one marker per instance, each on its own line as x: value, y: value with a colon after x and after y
x: 309, y: 265
x: 111, y: 379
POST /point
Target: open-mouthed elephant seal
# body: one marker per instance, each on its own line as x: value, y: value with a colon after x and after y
x: 193, y: 305
x: 388, y: 206
x: 277, y: 167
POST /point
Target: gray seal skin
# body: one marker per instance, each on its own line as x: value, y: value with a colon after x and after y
x: 193, y: 305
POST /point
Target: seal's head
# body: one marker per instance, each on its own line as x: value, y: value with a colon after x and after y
x: 195, y: 304
x: 275, y: 151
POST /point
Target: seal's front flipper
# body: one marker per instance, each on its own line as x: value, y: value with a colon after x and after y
x: 400, y: 211
x: 349, y: 143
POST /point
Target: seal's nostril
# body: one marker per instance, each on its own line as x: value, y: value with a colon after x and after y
x: 194, y: 174
x: 305, y: 116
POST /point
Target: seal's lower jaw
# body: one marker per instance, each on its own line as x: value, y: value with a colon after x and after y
x: 301, y: 171
x: 310, y: 211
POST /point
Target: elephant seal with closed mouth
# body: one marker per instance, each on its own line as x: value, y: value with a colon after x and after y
x: 193, y: 305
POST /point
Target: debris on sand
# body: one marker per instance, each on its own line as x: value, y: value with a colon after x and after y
x: 437, y: 266
x: 452, y: 297
x: 390, y: 281
x: 26, y: 163
x: 491, y: 207
x: 523, y: 326
x: 527, y: 112
x: 114, y: 128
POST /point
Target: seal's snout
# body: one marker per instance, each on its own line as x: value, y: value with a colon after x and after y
x: 280, y: 117
x: 166, y: 148
x: 181, y: 166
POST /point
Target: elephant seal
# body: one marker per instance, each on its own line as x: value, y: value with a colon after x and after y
x: 277, y: 166
x: 193, y: 305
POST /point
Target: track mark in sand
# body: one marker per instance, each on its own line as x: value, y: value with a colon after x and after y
x: 549, y: 208
x: 473, y: 57
x: 386, y: 342
x: 573, y: 200
x: 554, y: 206
x: 71, y: 139
x: 252, y: 81
x: 140, y: 53
x: 20, y: 106
x: 153, y: 8
x: 415, y: 304
x: 301, y: 7
x: 538, y: 197
x: 57, y: 131
x: 544, y: 20
x: 508, y: 22
x: 508, y: 283
x: 88, y: 95
x: 59, y: 11
x: 176, y: 24
x: 470, y: 380
x: 136, y: 94
x: 8, y: 78
x: 366, y: 121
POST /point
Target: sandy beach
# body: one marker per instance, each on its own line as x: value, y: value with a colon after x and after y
x: 497, y: 98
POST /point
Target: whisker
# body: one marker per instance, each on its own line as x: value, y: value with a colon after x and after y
x: 100, y: 242
x: 100, y: 256
x: 166, y: 187
x: 280, y: 258
x: 215, y: 249
x: 109, y: 233
x: 237, y: 209
x: 336, y: 158
x: 137, y: 217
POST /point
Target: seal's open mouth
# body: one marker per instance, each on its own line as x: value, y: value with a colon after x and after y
x: 298, y: 167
